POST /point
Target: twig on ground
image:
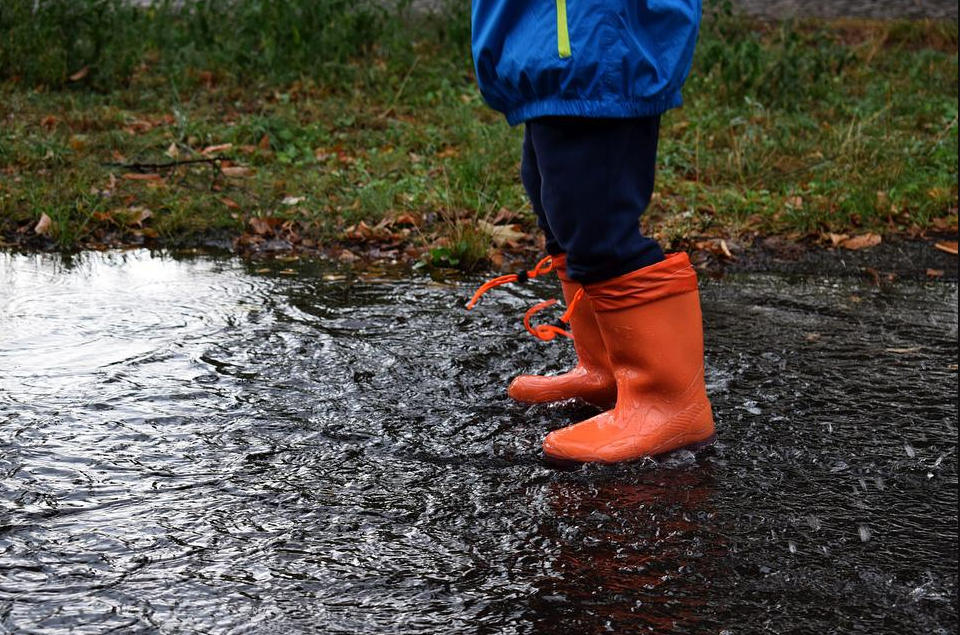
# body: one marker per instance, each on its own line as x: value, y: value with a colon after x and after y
x: 170, y: 165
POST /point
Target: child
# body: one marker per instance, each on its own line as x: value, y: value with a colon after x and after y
x: 590, y: 79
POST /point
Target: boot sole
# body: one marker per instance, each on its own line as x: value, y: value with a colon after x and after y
x: 571, y: 464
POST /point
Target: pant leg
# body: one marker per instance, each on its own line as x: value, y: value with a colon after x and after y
x: 596, y: 181
x: 530, y: 176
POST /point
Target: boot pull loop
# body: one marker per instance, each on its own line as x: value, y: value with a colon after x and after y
x: 543, y: 267
x: 548, y: 332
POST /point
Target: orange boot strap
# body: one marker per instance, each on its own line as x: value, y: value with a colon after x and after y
x: 543, y: 267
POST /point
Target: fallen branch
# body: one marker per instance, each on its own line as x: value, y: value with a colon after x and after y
x: 152, y: 167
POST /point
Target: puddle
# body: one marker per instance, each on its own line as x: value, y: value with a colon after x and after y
x: 192, y: 446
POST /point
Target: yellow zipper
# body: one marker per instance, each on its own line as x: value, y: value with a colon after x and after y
x: 563, y: 35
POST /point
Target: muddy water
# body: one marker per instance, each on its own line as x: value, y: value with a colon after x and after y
x: 196, y: 446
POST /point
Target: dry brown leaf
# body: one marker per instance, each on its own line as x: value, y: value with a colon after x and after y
x: 501, y: 234
x: 136, y: 176
x: 80, y: 74
x: 43, y: 225
x: 406, y: 219
x: 725, y: 249
x: 935, y: 273
x: 836, y: 239
x: 237, y: 171
x: 448, y: 153
x: 223, y: 147
x: 173, y: 151
x: 260, y: 226
x: 264, y: 142
x: 863, y: 241
x: 503, y: 215
x: 948, y: 246
x: 140, y: 125
x: 229, y: 202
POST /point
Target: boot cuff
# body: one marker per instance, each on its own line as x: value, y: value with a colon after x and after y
x: 672, y: 276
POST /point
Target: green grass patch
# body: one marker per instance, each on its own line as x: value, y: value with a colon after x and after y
x: 340, y: 123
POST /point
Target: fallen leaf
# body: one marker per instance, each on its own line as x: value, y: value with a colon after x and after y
x: 448, y: 153
x: 260, y: 226
x: 140, y: 125
x: 264, y: 142
x: 80, y: 74
x: 236, y: 171
x: 725, y: 249
x: 949, y: 247
x: 229, y: 202
x: 173, y: 151
x: 223, y: 147
x: 836, y: 239
x: 501, y: 234
x: 406, y: 219
x: 503, y: 215
x: 934, y: 273
x: 142, y: 214
x: 43, y: 225
x: 863, y: 241
x: 136, y: 176
x: 293, y: 200
x: 348, y: 256
x: 716, y: 246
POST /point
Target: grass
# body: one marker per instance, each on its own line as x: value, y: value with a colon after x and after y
x: 348, y: 128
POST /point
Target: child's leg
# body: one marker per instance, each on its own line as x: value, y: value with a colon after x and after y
x: 530, y: 176
x: 591, y: 379
x: 596, y: 178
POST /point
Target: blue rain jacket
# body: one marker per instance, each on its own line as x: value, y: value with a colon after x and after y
x: 583, y: 58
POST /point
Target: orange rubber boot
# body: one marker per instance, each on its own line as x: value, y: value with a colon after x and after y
x: 591, y: 380
x: 651, y: 323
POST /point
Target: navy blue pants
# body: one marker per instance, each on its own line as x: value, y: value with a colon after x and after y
x: 589, y: 180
